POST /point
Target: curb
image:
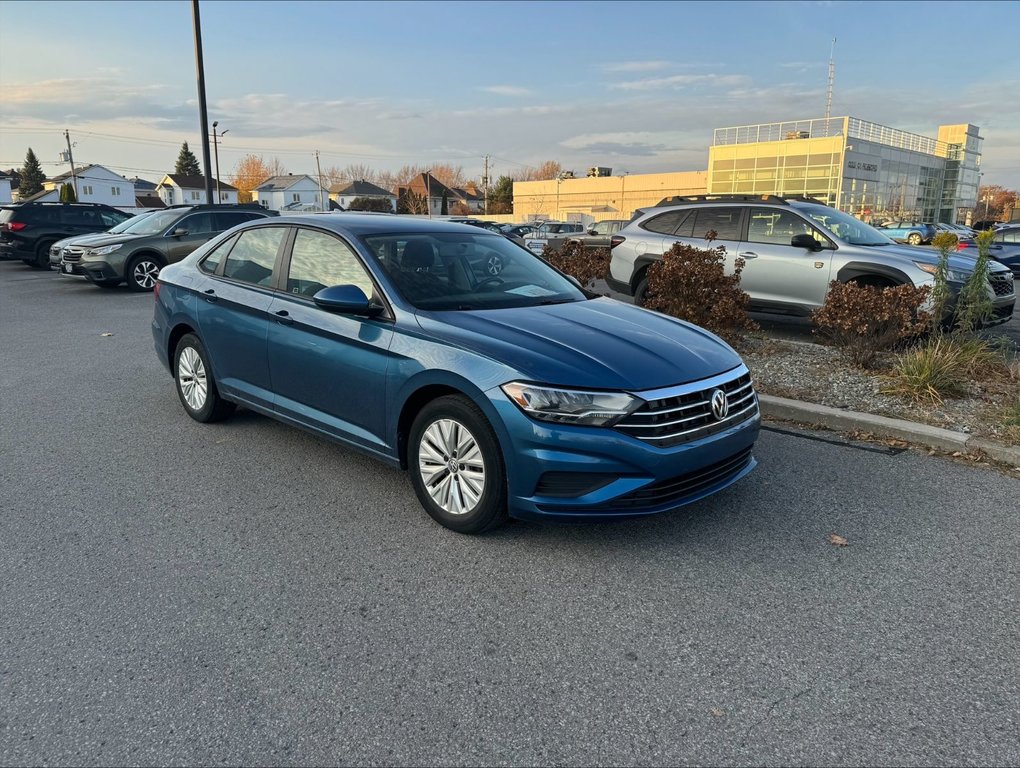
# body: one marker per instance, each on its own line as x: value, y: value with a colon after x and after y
x: 838, y: 419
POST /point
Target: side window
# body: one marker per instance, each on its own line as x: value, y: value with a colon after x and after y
x: 253, y: 256
x: 319, y: 260
x: 212, y: 262
x: 666, y: 223
x: 1011, y: 237
x: 724, y: 221
x: 771, y: 225
x: 197, y: 224
x: 79, y: 216
x: 227, y: 219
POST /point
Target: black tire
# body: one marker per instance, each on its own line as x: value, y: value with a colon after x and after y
x: 490, y: 509
x: 212, y: 406
x: 914, y: 239
x: 641, y: 292
x: 141, y: 273
x: 42, y: 256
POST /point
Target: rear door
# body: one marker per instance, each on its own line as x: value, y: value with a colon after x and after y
x: 234, y: 311
x: 328, y: 369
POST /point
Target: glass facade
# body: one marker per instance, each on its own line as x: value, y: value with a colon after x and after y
x: 875, y: 172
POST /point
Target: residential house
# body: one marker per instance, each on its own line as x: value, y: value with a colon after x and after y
x: 14, y: 179
x: 467, y: 200
x: 6, y: 193
x: 293, y: 192
x: 344, y: 193
x: 149, y: 202
x: 177, y: 189
x: 94, y: 184
x: 424, y: 187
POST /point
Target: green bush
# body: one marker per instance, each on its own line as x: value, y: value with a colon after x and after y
x: 377, y: 204
x: 974, y: 306
x: 930, y: 372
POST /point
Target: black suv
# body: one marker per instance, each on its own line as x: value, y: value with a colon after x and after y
x: 27, y: 230
x: 137, y: 254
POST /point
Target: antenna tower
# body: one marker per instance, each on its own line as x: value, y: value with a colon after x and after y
x: 832, y: 79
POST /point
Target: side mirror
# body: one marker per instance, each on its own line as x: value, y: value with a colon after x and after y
x: 179, y: 232
x: 592, y: 231
x: 805, y: 241
x: 346, y: 300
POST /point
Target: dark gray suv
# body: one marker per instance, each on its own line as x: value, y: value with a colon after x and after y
x: 165, y: 237
x: 791, y: 247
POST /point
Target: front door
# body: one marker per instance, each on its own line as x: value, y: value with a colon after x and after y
x: 329, y: 369
x: 200, y: 227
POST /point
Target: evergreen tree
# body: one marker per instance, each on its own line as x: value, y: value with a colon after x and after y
x: 67, y: 194
x: 501, y: 196
x: 444, y: 204
x: 187, y: 163
x: 32, y: 176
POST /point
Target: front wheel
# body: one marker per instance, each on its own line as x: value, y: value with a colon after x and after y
x: 142, y: 273
x: 456, y: 465
x: 914, y: 239
x: 195, y: 385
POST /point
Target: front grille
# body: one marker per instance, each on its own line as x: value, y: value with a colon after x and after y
x: 684, y: 413
x: 73, y: 253
x: 675, y: 489
x: 1002, y: 283
x: 568, y: 485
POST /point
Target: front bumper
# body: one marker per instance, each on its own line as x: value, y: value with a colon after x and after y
x: 614, y: 475
x: 96, y: 270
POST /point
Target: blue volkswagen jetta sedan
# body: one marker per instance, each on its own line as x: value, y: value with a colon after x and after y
x: 514, y: 395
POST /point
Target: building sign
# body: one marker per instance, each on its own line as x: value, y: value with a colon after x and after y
x: 858, y: 165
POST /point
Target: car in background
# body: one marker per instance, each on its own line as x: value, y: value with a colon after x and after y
x: 979, y: 226
x: 78, y: 243
x: 791, y: 248
x: 27, y: 230
x: 955, y: 229
x: 552, y: 234
x: 165, y: 237
x: 600, y: 234
x: 1005, y: 248
x: 520, y: 395
x: 522, y: 230
x: 912, y: 232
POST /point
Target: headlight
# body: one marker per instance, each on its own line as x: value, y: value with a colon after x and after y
x: 952, y: 275
x: 571, y: 406
x: 105, y: 249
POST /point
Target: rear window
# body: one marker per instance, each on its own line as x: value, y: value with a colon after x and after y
x: 6, y: 214
x: 725, y: 222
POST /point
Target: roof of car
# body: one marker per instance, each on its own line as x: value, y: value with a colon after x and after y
x: 376, y: 223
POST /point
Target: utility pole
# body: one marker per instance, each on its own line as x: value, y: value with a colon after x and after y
x: 216, y: 153
x: 319, y: 169
x: 203, y: 114
x: 485, y: 185
x: 832, y: 80
x: 70, y: 157
x: 428, y: 191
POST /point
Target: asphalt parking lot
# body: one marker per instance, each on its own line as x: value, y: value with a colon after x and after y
x: 246, y: 593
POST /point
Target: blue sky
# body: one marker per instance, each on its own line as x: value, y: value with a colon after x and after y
x: 634, y: 86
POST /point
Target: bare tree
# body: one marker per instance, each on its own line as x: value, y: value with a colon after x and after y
x: 448, y: 174
x: 276, y: 167
x: 548, y: 170
x: 410, y: 201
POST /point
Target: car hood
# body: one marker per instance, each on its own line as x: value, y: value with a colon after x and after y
x: 600, y: 344
x: 83, y: 239
x: 961, y: 262
x: 107, y: 239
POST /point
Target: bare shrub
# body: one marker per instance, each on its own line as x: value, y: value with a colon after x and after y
x: 863, y: 320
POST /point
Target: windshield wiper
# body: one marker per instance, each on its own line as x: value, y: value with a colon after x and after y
x: 547, y: 302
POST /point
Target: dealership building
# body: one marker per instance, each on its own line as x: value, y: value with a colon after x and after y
x: 875, y: 172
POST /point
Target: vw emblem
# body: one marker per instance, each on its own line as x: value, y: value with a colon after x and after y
x: 720, y: 405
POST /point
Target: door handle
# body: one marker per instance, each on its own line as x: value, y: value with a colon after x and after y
x: 210, y: 295
x: 749, y: 255
x: 283, y: 316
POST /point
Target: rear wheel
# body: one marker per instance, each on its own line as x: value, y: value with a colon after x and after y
x: 456, y: 466
x: 195, y: 385
x: 42, y: 255
x: 142, y: 272
x: 641, y: 292
x: 914, y: 239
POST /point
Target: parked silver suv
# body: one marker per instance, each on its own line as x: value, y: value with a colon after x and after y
x: 792, y: 248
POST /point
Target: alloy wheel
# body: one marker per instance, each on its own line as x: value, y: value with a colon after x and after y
x: 191, y: 378
x: 451, y: 466
x: 145, y: 273
x: 494, y: 265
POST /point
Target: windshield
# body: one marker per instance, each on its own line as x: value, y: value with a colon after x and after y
x: 450, y: 271
x: 128, y: 224
x: 844, y: 226
x: 158, y: 221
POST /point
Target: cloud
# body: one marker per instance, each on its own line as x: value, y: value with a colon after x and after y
x: 679, y: 81
x: 635, y: 66
x: 505, y: 90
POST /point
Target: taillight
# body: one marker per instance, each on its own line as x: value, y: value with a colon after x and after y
x: 15, y: 226
x: 615, y: 240
x: 961, y: 246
